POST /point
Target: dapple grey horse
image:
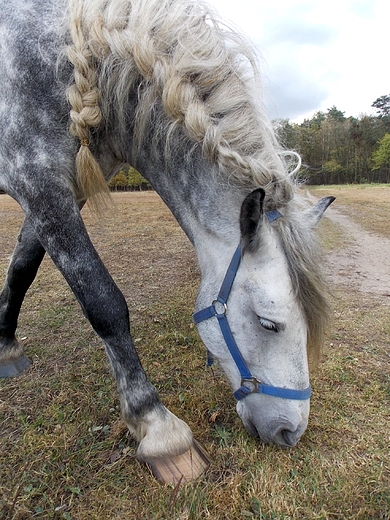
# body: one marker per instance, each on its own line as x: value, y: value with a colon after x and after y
x: 88, y: 85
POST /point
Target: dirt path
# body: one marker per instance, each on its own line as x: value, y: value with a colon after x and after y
x: 364, y: 264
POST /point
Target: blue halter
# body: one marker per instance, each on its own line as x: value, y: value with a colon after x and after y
x: 218, y: 308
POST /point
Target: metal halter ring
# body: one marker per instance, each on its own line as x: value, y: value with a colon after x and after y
x: 222, y: 306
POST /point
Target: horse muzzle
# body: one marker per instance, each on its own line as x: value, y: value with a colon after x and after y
x: 283, y: 429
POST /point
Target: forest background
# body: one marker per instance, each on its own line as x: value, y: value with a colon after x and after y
x: 335, y: 149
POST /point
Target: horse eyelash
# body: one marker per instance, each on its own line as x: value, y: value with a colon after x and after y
x: 268, y: 325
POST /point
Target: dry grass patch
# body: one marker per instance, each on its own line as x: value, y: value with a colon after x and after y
x: 66, y: 455
x: 368, y: 204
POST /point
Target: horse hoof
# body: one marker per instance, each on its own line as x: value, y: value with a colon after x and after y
x: 180, y: 469
x: 13, y: 367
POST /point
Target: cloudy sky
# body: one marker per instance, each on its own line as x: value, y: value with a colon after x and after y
x: 317, y: 53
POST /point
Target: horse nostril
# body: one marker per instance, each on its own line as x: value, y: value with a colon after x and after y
x: 281, y: 436
x: 280, y: 430
x: 290, y: 438
x: 251, y: 429
x: 285, y: 436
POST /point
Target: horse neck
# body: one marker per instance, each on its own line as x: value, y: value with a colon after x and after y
x: 205, y: 205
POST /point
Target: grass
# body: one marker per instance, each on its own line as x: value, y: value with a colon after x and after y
x: 368, y: 204
x: 65, y: 454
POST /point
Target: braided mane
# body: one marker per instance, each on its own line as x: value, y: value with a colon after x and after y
x: 176, y: 53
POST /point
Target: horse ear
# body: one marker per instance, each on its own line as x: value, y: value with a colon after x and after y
x: 315, y: 213
x: 250, y: 220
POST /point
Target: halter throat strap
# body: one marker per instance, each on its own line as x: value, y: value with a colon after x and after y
x: 218, y: 309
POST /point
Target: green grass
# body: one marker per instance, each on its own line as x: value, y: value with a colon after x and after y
x: 66, y: 455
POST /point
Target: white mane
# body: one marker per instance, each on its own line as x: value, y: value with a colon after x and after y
x: 177, y: 53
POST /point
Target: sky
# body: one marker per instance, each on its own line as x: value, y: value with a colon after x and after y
x: 317, y: 53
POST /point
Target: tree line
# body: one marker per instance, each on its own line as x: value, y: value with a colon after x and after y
x: 336, y: 149
x: 129, y: 179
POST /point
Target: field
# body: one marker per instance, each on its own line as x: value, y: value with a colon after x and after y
x: 65, y: 454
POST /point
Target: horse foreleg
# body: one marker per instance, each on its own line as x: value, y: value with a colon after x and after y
x: 165, y: 442
x: 26, y: 259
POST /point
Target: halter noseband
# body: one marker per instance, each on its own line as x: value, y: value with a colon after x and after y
x: 218, y: 308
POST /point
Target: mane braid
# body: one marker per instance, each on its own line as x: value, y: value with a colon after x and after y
x: 178, y: 55
x: 85, y: 114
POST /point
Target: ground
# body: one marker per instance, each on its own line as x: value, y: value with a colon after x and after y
x: 137, y: 238
x: 363, y: 264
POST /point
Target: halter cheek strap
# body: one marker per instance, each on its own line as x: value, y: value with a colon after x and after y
x: 218, y: 309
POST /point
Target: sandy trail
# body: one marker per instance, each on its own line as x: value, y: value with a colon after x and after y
x: 364, y: 264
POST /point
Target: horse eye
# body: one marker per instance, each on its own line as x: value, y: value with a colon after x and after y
x: 268, y: 325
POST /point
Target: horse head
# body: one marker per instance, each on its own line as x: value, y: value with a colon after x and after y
x: 258, y: 326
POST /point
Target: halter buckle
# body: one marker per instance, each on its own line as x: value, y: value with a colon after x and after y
x: 251, y: 381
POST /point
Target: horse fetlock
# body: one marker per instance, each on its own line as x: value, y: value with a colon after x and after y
x: 169, y: 449
x: 9, y: 349
x: 12, y: 358
x: 161, y: 434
